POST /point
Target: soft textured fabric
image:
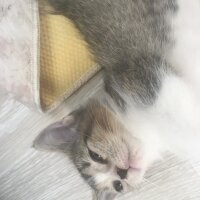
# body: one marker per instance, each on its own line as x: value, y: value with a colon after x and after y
x: 43, y: 58
x: 26, y: 174
x: 18, y: 49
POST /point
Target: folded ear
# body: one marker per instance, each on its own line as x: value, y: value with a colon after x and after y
x: 59, y: 135
x: 104, y: 195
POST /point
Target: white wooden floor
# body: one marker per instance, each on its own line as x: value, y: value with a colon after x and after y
x: 26, y: 174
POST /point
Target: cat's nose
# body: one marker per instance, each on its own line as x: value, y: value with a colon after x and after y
x: 122, y: 173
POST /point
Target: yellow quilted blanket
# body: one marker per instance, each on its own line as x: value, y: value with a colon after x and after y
x: 65, y: 60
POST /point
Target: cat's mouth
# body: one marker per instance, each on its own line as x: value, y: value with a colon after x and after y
x: 134, y: 177
x: 136, y: 172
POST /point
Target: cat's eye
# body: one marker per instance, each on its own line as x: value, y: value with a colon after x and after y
x: 118, y: 186
x: 96, y: 157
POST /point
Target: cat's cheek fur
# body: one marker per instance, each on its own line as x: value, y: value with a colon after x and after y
x: 102, y: 177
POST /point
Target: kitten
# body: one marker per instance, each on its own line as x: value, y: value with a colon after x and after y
x: 150, y: 54
x: 99, y: 146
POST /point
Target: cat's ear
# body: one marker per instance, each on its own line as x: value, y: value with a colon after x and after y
x: 59, y: 135
x: 104, y: 195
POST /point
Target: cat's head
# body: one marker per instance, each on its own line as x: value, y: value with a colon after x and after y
x: 103, y: 151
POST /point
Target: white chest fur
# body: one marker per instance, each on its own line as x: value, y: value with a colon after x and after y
x: 185, y: 56
x: 178, y: 106
x: 172, y: 123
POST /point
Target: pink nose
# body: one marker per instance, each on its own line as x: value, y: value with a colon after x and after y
x: 128, y: 165
x: 135, y: 165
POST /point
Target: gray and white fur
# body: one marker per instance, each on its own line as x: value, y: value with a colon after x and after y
x: 149, y: 51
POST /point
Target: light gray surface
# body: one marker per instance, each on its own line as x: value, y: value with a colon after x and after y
x: 26, y: 174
